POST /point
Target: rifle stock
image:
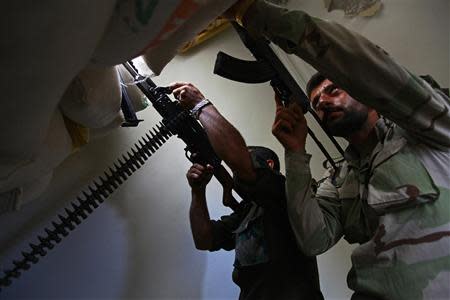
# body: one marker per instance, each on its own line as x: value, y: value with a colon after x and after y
x: 268, y: 67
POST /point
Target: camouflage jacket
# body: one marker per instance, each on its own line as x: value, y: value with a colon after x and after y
x: 396, y: 201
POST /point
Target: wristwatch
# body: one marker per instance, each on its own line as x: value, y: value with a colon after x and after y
x: 195, y: 111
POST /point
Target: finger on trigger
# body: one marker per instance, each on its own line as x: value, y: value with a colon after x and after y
x: 198, y: 167
x: 278, y: 101
x: 288, y: 115
x: 283, y: 125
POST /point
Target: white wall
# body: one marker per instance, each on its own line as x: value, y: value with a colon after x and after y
x: 138, y: 244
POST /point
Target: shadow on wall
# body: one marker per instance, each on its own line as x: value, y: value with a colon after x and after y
x: 163, y: 262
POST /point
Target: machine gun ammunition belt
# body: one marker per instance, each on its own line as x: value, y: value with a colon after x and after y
x: 97, y: 192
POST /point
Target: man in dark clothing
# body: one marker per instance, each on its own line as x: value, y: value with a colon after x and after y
x: 268, y: 263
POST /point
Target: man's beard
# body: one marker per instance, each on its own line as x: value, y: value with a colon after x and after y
x: 350, y: 122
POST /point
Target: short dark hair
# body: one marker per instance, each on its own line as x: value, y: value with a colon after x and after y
x: 313, y: 82
x: 262, y: 154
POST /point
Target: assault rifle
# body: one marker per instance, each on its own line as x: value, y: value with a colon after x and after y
x: 268, y: 67
x: 180, y: 122
x: 176, y: 119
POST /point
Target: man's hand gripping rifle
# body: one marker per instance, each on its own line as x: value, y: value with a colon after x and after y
x: 268, y: 67
x: 180, y: 122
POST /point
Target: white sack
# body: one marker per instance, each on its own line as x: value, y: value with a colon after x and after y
x: 100, y: 132
x: 158, y: 28
x: 56, y: 147
x: 45, y: 44
x: 15, y: 198
x: 93, y: 98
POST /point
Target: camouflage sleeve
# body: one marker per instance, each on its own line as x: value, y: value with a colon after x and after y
x: 315, y: 219
x: 361, y: 68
